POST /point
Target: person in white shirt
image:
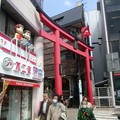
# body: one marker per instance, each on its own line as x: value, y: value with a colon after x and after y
x: 44, y: 107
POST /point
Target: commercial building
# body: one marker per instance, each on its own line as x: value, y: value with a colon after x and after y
x: 21, y: 64
x: 112, y: 12
x: 106, y: 50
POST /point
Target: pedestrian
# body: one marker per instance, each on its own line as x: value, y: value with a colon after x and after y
x: 89, y: 105
x: 85, y: 113
x: 57, y: 110
x: 63, y: 100
x: 44, y: 107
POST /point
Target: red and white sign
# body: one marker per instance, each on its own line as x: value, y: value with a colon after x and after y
x: 21, y: 83
x: 9, y: 46
x: 21, y: 64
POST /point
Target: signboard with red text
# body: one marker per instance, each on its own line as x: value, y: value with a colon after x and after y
x: 15, y: 60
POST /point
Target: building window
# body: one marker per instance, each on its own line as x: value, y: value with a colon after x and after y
x: 10, y: 26
x: 67, y: 55
x: 111, y: 2
x: 115, y: 46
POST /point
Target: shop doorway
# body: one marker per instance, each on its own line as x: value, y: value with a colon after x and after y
x: 17, y: 104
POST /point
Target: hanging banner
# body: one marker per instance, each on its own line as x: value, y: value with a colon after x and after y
x: 2, y: 94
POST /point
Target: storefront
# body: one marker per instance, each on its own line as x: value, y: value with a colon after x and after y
x: 17, y: 104
x: 19, y: 70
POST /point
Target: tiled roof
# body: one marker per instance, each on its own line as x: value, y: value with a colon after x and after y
x: 69, y: 17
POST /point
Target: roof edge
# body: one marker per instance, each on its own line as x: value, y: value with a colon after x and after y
x: 40, y: 10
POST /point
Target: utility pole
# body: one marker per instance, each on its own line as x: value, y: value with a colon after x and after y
x: 108, y: 51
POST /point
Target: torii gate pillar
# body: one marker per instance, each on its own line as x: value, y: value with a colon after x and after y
x: 88, y: 79
x: 57, y: 62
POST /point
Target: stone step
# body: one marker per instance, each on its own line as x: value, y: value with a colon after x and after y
x: 104, y: 114
x: 99, y: 114
x: 106, y: 119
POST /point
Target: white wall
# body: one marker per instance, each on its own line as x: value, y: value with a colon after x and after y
x: 38, y: 93
x: 94, y: 21
x: 28, y: 10
x: 32, y: 16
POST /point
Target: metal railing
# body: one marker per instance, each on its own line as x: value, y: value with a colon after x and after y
x: 103, y: 97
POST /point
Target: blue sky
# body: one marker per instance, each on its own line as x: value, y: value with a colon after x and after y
x: 54, y: 7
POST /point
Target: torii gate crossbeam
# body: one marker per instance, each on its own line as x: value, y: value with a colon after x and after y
x: 55, y: 37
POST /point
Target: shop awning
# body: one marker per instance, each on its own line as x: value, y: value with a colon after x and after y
x: 21, y: 83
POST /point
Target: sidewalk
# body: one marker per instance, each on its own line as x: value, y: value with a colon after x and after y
x: 100, y: 113
x: 72, y: 113
x: 105, y: 114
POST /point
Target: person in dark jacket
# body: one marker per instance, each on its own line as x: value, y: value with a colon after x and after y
x: 85, y: 113
x: 44, y: 107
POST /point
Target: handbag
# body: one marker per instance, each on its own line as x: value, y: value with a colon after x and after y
x: 38, y: 118
x: 63, y: 116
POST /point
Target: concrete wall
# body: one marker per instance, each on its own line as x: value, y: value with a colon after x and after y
x: 27, y: 10
x: 95, y: 22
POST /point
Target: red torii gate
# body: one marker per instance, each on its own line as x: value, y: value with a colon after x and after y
x: 55, y: 37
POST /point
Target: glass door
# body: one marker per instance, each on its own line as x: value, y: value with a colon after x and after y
x: 18, y: 104
x: 14, y: 104
x: 26, y: 104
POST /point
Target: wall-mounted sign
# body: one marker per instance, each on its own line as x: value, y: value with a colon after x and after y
x: 9, y: 46
x: 7, y: 63
x: 21, y: 83
x: 17, y: 65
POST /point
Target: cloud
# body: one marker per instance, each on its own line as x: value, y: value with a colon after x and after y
x: 68, y: 3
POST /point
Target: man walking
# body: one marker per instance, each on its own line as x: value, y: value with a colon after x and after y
x: 44, y: 107
x: 57, y: 110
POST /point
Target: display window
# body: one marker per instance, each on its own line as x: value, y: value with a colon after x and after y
x: 17, y: 104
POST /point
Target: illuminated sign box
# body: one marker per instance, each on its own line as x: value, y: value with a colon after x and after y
x: 18, y: 61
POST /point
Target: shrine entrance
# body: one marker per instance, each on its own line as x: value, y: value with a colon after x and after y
x: 56, y: 37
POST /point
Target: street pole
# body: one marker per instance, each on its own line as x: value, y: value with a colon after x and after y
x: 79, y: 80
x: 108, y: 51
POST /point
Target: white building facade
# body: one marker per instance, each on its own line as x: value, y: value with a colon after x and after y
x: 20, y: 66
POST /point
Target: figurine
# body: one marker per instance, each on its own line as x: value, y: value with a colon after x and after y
x: 27, y: 37
x: 27, y: 34
x: 18, y: 32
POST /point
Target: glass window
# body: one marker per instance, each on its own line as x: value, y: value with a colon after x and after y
x: 115, y: 46
x: 17, y: 104
x: 10, y: 26
x: 113, y: 21
x: 111, y: 2
x: 67, y: 55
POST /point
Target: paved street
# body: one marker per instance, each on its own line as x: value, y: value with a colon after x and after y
x: 100, y: 114
x: 72, y: 113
